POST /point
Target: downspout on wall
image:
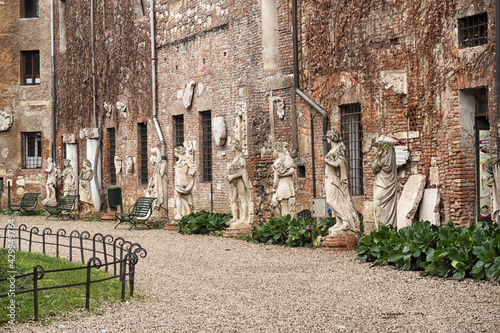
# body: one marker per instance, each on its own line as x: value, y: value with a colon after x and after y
x: 304, y: 96
x: 92, y: 45
x: 153, y: 79
x: 497, y: 56
x: 53, y: 75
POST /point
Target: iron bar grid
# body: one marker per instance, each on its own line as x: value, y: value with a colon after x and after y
x: 206, y: 125
x: 179, y: 130
x: 142, y: 129
x: 351, y: 130
x: 32, y: 150
x: 112, y: 153
x: 473, y: 30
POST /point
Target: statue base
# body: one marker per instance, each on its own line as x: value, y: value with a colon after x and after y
x: 150, y: 223
x: 170, y: 226
x: 339, y: 243
x: 235, y: 232
x: 108, y: 217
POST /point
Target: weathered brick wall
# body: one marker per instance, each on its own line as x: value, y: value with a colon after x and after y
x: 344, y: 48
x: 30, y: 105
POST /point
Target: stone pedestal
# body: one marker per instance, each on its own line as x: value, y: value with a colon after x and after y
x: 339, y: 243
x: 235, y: 232
x: 150, y: 223
x: 170, y: 226
x: 108, y: 217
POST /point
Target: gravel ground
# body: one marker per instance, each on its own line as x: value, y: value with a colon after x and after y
x: 210, y: 284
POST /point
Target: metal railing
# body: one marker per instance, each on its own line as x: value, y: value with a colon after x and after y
x: 118, y: 255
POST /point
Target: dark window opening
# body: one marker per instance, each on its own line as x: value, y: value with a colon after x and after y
x: 31, y: 150
x: 30, y: 67
x: 142, y: 133
x: 481, y: 96
x: 111, y: 156
x: 473, y: 30
x: 301, y: 171
x: 29, y: 8
x: 206, y: 145
x: 352, y: 135
x: 179, y: 130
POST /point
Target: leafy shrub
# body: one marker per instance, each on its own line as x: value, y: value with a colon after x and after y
x: 441, y: 251
x: 290, y: 232
x: 203, y: 222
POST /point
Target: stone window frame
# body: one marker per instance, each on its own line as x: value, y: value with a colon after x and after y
x: 31, y: 150
x: 352, y: 135
x: 29, y: 8
x: 30, y: 67
x: 473, y: 30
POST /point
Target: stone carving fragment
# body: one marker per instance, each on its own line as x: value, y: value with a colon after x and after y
x: 108, y: 107
x: 429, y: 207
x: 395, y: 80
x: 86, y: 176
x: 187, y: 99
x: 241, y: 190
x: 5, y: 121
x: 89, y: 133
x: 385, y: 186
x: 122, y: 108
x: 337, y: 192
x: 68, y: 176
x: 118, y: 164
x: 493, y: 181
x: 157, y: 186
x: 219, y: 130
x: 185, y: 178
x: 279, y: 106
x: 69, y: 138
x: 283, y: 199
x: 240, y: 125
x: 50, y: 185
x: 401, y: 155
x: 410, y: 199
x: 129, y: 164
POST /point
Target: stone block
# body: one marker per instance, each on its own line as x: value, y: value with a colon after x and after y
x: 339, y: 243
x: 89, y: 133
x: 69, y: 138
x: 410, y: 199
x: 429, y: 207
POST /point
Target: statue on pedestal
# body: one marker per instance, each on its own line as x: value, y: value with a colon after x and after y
x: 50, y: 186
x: 85, y: 191
x: 240, y: 190
x: 158, y: 184
x: 185, y: 179
x: 493, y: 181
x: 385, y: 186
x: 337, y: 192
x: 68, y: 175
x: 283, y: 200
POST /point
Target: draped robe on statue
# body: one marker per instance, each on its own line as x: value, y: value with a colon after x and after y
x: 385, y: 187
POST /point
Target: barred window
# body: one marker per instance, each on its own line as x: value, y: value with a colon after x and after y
x: 352, y: 135
x: 111, y: 156
x: 142, y: 134
x: 30, y: 67
x: 179, y: 130
x: 415, y: 121
x: 473, y: 30
x: 29, y: 8
x: 206, y: 145
x: 31, y: 150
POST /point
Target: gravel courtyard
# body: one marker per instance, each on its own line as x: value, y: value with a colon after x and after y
x: 211, y: 284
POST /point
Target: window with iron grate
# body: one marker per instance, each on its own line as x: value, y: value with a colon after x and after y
x: 30, y: 67
x: 142, y: 138
x: 352, y: 135
x: 473, y: 30
x: 206, y: 145
x: 31, y: 150
x: 111, y: 156
x: 179, y: 130
x: 29, y: 8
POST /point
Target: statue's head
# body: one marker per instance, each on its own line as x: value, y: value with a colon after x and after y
x: 333, y: 135
x: 237, y: 145
x: 87, y: 163
x: 180, y: 150
x: 66, y: 162
x: 155, y: 154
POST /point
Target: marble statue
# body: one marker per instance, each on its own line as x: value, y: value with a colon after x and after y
x: 385, y: 186
x: 50, y: 186
x: 493, y: 181
x: 86, y: 176
x: 158, y: 184
x: 185, y: 179
x: 241, y: 190
x: 283, y: 199
x: 68, y: 175
x: 337, y: 192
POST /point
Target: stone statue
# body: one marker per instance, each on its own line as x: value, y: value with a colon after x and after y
x: 68, y: 176
x: 240, y: 190
x: 85, y: 192
x: 50, y: 186
x: 283, y: 200
x: 385, y: 187
x: 129, y: 162
x: 158, y: 184
x: 493, y: 181
x: 337, y: 193
x: 185, y: 179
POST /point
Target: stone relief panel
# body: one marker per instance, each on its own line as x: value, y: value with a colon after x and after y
x: 395, y: 80
x: 187, y: 99
x: 279, y: 106
x: 6, y: 120
x: 219, y: 131
x: 241, y: 126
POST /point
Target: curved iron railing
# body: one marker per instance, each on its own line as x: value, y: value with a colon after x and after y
x: 121, y: 255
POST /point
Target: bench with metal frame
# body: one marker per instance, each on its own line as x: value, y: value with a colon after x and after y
x: 140, y: 212
x: 28, y: 204
x: 64, y: 208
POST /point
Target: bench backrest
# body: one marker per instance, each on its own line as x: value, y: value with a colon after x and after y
x: 67, y: 202
x: 142, y: 207
x: 29, y: 199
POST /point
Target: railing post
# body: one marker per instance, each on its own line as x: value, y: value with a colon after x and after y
x: 122, y: 277
x: 131, y: 277
x: 35, y: 292
x: 87, y: 286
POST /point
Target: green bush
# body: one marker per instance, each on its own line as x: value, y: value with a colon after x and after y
x: 441, y: 251
x: 203, y: 222
x: 290, y: 232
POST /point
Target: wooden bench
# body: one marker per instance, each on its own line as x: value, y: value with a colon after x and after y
x: 64, y: 208
x: 140, y: 212
x: 28, y: 204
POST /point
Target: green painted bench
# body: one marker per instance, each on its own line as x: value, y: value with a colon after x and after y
x: 28, y: 204
x: 64, y: 208
x: 139, y: 213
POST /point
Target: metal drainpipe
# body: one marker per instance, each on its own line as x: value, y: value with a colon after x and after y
x: 304, y: 96
x: 53, y: 74
x: 497, y: 37
x: 153, y: 79
x: 93, y: 60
